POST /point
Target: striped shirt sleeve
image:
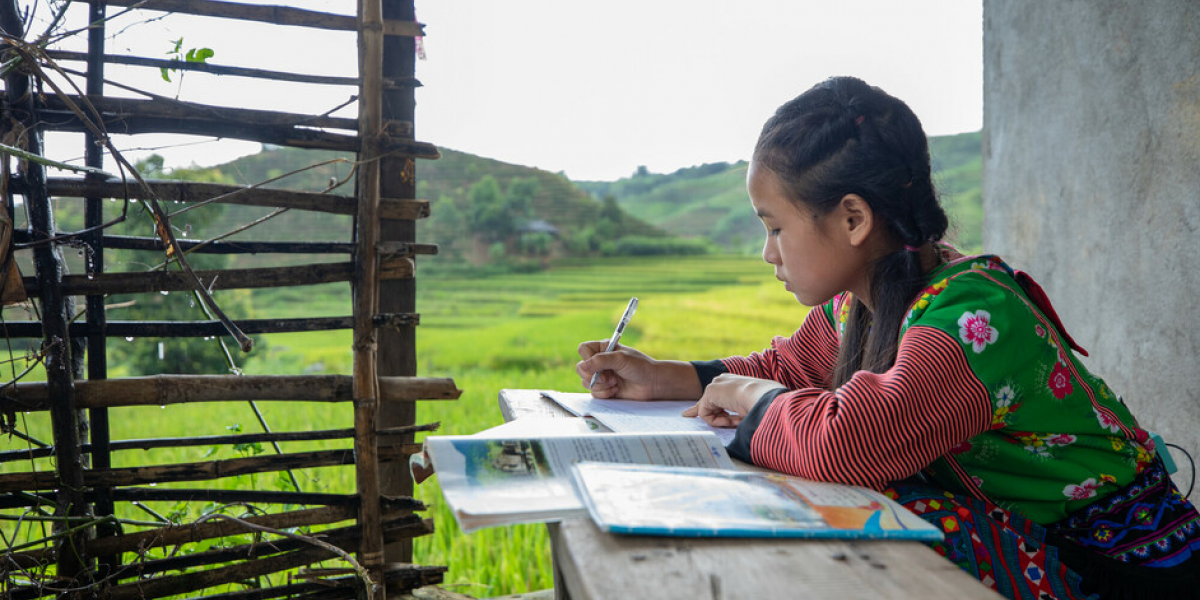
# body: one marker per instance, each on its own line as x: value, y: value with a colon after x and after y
x: 877, y: 428
x: 804, y: 360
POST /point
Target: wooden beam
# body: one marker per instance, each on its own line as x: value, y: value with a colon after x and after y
x: 193, y: 191
x: 277, y: 15
x: 205, y: 67
x: 166, y: 108
x: 172, y: 535
x: 145, y: 282
x: 213, y: 440
x: 177, y: 329
x: 161, y: 390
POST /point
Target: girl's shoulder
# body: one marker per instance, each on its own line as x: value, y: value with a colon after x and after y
x: 983, y: 287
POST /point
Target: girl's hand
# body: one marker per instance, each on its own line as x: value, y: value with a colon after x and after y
x: 624, y: 372
x: 728, y: 398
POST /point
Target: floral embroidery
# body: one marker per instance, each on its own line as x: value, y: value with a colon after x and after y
x: 1103, y: 534
x: 1005, y: 395
x: 1039, y: 331
x: 1083, y: 491
x: 1034, y: 444
x: 1106, y: 478
x: 992, y: 263
x: 930, y: 292
x: 963, y: 447
x: 1117, y: 443
x: 978, y: 481
x: 1060, y: 382
x: 1060, y: 439
x: 975, y: 329
x: 1107, y: 421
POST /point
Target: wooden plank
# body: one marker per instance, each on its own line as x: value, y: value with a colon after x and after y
x: 584, y: 558
x: 161, y: 390
x: 277, y: 15
x: 726, y: 569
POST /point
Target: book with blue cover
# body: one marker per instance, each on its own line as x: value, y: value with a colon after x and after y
x: 688, y: 502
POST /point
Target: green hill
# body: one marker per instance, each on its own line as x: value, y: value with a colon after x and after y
x: 570, y: 221
x: 710, y: 200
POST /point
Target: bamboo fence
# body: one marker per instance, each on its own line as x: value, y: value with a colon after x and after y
x: 89, y: 550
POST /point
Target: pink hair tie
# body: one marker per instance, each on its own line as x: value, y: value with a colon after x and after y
x: 912, y: 248
x: 860, y: 119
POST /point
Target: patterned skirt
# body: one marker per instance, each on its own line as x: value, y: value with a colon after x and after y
x: 1141, y: 543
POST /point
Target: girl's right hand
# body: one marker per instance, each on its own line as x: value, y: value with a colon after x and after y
x: 624, y: 372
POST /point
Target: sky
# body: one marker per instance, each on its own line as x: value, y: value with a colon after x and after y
x: 588, y: 88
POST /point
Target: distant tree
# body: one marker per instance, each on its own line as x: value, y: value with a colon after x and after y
x: 611, y: 211
x: 445, y: 226
x: 489, y: 217
x: 642, y: 171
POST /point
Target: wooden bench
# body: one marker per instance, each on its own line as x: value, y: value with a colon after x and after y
x: 591, y: 564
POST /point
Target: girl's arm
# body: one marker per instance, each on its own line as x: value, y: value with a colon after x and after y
x: 876, y: 428
x: 804, y: 360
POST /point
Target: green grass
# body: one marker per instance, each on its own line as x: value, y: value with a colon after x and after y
x: 489, y: 333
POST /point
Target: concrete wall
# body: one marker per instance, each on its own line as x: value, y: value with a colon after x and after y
x: 1091, y: 179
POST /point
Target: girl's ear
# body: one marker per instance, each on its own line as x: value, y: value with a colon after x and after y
x: 857, y: 219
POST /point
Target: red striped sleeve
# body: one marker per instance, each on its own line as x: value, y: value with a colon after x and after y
x: 805, y: 360
x: 878, y: 428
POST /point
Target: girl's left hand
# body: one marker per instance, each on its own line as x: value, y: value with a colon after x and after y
x: 729, y: 397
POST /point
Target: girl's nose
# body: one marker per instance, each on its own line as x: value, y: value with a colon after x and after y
x: 769, y: 253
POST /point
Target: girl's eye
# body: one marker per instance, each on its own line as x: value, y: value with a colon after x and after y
x: 772, y: 232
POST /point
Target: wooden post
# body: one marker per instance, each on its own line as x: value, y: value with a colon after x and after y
x: 97, y: 344
x: 397, y: 346
x: 366, y: 292
x: 48, y: 261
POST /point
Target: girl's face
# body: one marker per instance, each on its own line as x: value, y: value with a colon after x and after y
x: 816, y: 257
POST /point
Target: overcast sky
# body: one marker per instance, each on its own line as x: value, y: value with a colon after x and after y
x: 590, y: 88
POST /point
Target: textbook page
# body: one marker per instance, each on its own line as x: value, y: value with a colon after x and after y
x: 678, y: 501
x: 636, y: 415
x: 502, y: 480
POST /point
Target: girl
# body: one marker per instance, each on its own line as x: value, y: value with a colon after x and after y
x: 945, y: 380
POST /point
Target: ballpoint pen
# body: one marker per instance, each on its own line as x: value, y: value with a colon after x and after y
x: 612, y: 342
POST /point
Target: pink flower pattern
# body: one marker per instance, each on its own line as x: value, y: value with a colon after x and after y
x: 1060, y: 381
x: 975, y: 329
x: 1061, y: 439
x: 1083, y: 491
x: 1107, y: 421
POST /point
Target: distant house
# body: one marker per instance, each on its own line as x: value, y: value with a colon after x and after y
x: 538, y: 226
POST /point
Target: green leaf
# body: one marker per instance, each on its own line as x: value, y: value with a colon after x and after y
x: 166, y: 74
x: 178, y: 46
x: 199, y: 55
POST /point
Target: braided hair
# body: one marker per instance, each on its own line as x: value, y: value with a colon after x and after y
x: 846, y: 137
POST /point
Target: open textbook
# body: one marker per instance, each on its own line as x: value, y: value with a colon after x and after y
x: 680, y: 501
x: 636, y: 415
x: 500, y: 480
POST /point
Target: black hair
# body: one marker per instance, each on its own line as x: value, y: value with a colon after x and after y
x: 842, y: 137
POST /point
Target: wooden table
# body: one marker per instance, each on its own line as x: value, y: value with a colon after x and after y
x: 591, y: 564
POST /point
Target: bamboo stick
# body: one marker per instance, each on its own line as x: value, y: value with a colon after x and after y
x: 191, y: 191
x: 167, y: 108
x: 176, y: 329
x: 343, y: 537
x: 195, y: 532
x: 66, y: 420
x: 199, y: 580
x: 187, y: 191
x: 366, y: 291
x: 397, y: 345
x: 161, y: 390
x: 209, y: 68
x: 214, y: 440
x: 233, y: 247
x: 25, y: 500
x: 278, y: 15
x: 145, y: 282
